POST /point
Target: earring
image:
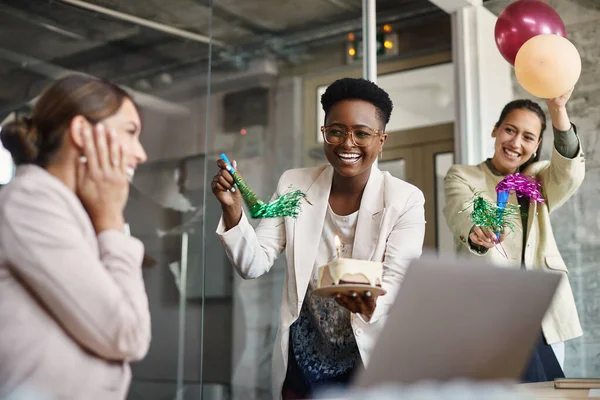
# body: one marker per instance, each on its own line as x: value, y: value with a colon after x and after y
x: 535, y: 154
x: 381, y: 155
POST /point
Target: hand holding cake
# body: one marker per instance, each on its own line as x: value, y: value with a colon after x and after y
x: 355, y: 284
x: 363, y: 304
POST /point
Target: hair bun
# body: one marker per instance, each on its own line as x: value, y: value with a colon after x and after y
x: 19, y: 137
x: 27, y: 121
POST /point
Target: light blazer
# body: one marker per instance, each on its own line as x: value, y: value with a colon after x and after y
x: 560, y: 178
x: 390, y: 228
x: 73, y: 308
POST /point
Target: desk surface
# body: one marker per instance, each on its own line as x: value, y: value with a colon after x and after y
x: 546, y: 391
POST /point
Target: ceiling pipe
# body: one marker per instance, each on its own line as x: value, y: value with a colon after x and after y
x: 354, y: 25
x: 46, y: 24
x: 343, y: 4
x: 296, y: 42
x: 54, y: 72
x: 170, y: 30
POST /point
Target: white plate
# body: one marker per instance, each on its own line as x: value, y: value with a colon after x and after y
x: 331, y: 291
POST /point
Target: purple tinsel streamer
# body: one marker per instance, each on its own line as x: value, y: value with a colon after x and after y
x: 522, y: 185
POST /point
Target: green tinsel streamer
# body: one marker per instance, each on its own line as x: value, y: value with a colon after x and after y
x: 485, y: 214
x: 286, y: 205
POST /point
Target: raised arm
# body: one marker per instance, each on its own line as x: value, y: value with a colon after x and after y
x: 251, y: 251
x: 99, y: 299
x: 566, y: 171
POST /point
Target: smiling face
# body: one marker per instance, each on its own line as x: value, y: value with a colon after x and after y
x: 517, y: 139
x: 348, y: 159
x: 126, y: 122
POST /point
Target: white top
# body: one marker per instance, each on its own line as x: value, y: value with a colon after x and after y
x: 343, y: 226
x: 322, y: 338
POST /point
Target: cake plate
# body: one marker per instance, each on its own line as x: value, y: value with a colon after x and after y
x: 347, y: 288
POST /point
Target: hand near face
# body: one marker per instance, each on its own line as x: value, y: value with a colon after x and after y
x: 102, y: 182
x: 358, y: 303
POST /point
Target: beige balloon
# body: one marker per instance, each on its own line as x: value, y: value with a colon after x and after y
x: 547, y: 66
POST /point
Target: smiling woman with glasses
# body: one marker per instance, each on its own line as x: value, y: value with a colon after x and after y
x: 323, y: 341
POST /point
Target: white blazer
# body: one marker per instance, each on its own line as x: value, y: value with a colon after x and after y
x: 390, y: 228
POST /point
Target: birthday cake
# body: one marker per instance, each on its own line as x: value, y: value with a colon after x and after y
x: 350, y: 271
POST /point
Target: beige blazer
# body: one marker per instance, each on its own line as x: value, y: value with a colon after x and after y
x: 390, y: 228
x: 73, y: 308
x: 560, y: 178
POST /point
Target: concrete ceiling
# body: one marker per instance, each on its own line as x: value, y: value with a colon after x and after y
x: 40, y: 39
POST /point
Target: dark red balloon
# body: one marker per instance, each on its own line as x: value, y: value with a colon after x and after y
x: 523, y: 20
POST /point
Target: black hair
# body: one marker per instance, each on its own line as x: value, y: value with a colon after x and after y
x: 525, y: 104
x: 358, y: 89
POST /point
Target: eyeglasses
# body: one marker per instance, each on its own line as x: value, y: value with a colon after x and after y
x: 362, y: 136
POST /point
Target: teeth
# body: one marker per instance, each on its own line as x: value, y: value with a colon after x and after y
x: 349, y: 156
x: 511, y: 153
x: 130, y: 172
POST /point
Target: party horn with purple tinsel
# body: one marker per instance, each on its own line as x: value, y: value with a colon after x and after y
x: 286, y: 205
x: 522, y: 185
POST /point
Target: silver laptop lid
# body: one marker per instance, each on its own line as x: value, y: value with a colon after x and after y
x: 457, y: 318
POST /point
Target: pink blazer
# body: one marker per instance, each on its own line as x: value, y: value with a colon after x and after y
x: 73, y: 307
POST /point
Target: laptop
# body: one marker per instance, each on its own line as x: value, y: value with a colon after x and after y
x: 460, y: 319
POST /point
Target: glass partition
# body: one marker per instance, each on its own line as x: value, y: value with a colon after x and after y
x: 210, y: 77
x: 160, y: 54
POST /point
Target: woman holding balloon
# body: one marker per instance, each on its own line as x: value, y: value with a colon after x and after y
x: 518, y: 135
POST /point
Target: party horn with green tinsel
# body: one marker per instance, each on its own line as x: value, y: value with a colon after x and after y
x: 487, y: 215
x: 286, y: 205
